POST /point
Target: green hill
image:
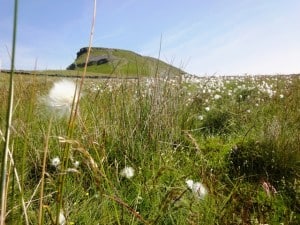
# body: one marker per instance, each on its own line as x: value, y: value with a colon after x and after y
x: 120, y: 62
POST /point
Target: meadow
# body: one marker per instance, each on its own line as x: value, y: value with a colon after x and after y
x: 153, y: 150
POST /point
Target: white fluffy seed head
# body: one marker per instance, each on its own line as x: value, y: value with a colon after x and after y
x: 216, y: 97
x: 190, y: 184
x: 197, y: 188
x: 55, y: 161
x: 61, y: 97
x: 127, y: 172
x: 62, y: 218
x: 76, y: 164
x: 200, y: 117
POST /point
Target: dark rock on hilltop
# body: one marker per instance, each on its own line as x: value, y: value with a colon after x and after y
x: 93, y: 60
x: 96, y: 60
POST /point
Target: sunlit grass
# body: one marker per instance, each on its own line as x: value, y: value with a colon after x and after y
x: 122, y: 63
x: 158, y: 149
x: 153, y: 127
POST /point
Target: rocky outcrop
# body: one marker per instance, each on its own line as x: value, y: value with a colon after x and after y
x: 97, y: 60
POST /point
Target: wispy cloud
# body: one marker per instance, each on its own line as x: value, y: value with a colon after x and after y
x: 264, y: 43
x: 108, y: 38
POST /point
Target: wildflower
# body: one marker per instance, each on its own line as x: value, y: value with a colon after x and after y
x: 197, y: 188
x: 62, y: 96
x: 207, y: 108
x: 268, y: 188
x: 281, y: 96
x: 55, y: 162
x: 127, y: 172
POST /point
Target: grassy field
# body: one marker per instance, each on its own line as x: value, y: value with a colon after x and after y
x: 156, y: 150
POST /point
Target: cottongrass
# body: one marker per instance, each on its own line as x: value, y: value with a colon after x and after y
x: 55, y: 162
x: 76, y: 164
x: 62, y: 218
x: 207, y: 108
x: 200, y: 117
x: 198, y: 189
x: 61, y: 97
x: 127, y: 172
x: 216, y: 97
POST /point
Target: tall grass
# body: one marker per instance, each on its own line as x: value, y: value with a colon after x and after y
x: 214, y: 150
x: 71, y: 124
x: 153, y: 126
x: 6, y: 150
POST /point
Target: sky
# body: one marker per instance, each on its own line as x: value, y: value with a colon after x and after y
x: 202, y: 37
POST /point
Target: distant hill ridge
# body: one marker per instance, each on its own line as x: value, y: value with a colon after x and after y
x: 121, y: 62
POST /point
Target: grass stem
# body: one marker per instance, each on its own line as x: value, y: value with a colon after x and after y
x: 73, y: 115
x: 8, y: 121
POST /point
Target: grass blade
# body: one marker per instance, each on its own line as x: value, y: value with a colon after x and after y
x: 8, y: 120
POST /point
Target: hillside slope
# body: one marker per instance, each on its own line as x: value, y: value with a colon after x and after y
x: 120, y: 62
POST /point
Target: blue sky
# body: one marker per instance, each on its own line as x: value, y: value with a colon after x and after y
x: 221, y: 37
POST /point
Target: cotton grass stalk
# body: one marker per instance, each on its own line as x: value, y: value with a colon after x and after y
x: 73, y: 115
x: 41, y: 214
x: 63, y: 98
x: 17, y: 179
